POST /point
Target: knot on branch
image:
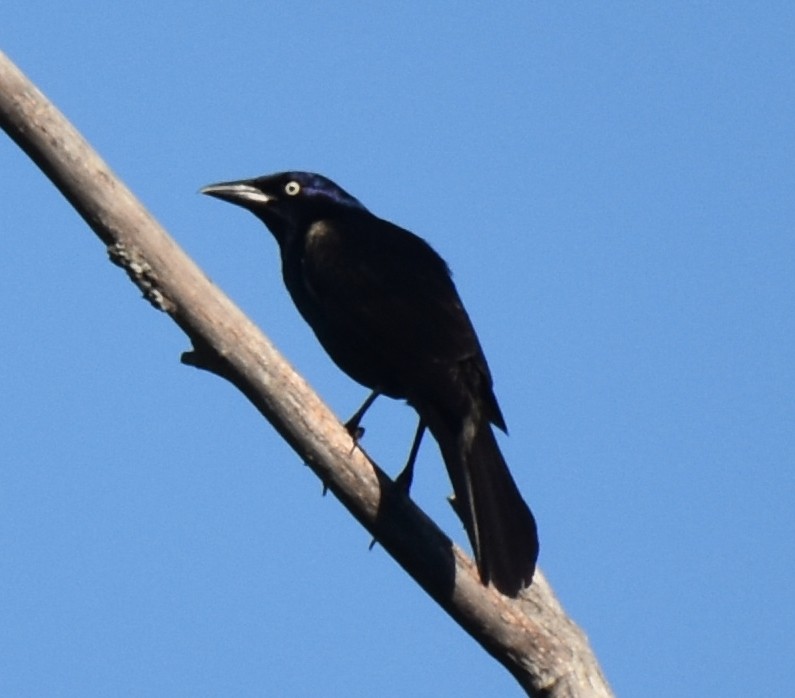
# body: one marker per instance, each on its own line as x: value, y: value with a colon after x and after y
x: 142, y: 275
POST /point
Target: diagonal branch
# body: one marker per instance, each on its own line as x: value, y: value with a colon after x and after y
x: 531, y: 636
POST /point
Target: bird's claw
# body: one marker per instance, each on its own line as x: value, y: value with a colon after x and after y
x: 355, y: 430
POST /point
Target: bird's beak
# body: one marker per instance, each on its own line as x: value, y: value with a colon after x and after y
x: 240, y: 193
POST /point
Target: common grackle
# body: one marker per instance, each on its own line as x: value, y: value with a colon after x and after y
x: 383, y: 305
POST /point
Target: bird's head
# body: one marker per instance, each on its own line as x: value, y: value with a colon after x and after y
x: 287, y: 202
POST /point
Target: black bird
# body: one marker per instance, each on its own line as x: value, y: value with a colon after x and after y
x: 383, y: 305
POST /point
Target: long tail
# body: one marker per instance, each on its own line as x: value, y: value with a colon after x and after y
x: 500, y: 526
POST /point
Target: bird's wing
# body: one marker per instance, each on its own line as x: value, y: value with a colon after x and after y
x: 387, y: 287
x: 388, y: 313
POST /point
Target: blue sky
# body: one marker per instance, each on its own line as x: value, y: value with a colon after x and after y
x: 612, y: 184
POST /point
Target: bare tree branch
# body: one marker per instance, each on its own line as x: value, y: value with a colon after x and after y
x: 531, y: 636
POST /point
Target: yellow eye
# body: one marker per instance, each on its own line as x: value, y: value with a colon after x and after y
x: 292, y: 188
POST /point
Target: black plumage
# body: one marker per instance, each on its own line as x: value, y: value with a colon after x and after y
x: 383, y: 304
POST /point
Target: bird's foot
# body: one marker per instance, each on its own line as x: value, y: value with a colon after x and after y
x: 405, y: 478
x: 355, y: 429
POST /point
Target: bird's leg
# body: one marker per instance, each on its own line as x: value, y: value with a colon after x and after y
x: 406, y: 476
x: 352, y: 425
